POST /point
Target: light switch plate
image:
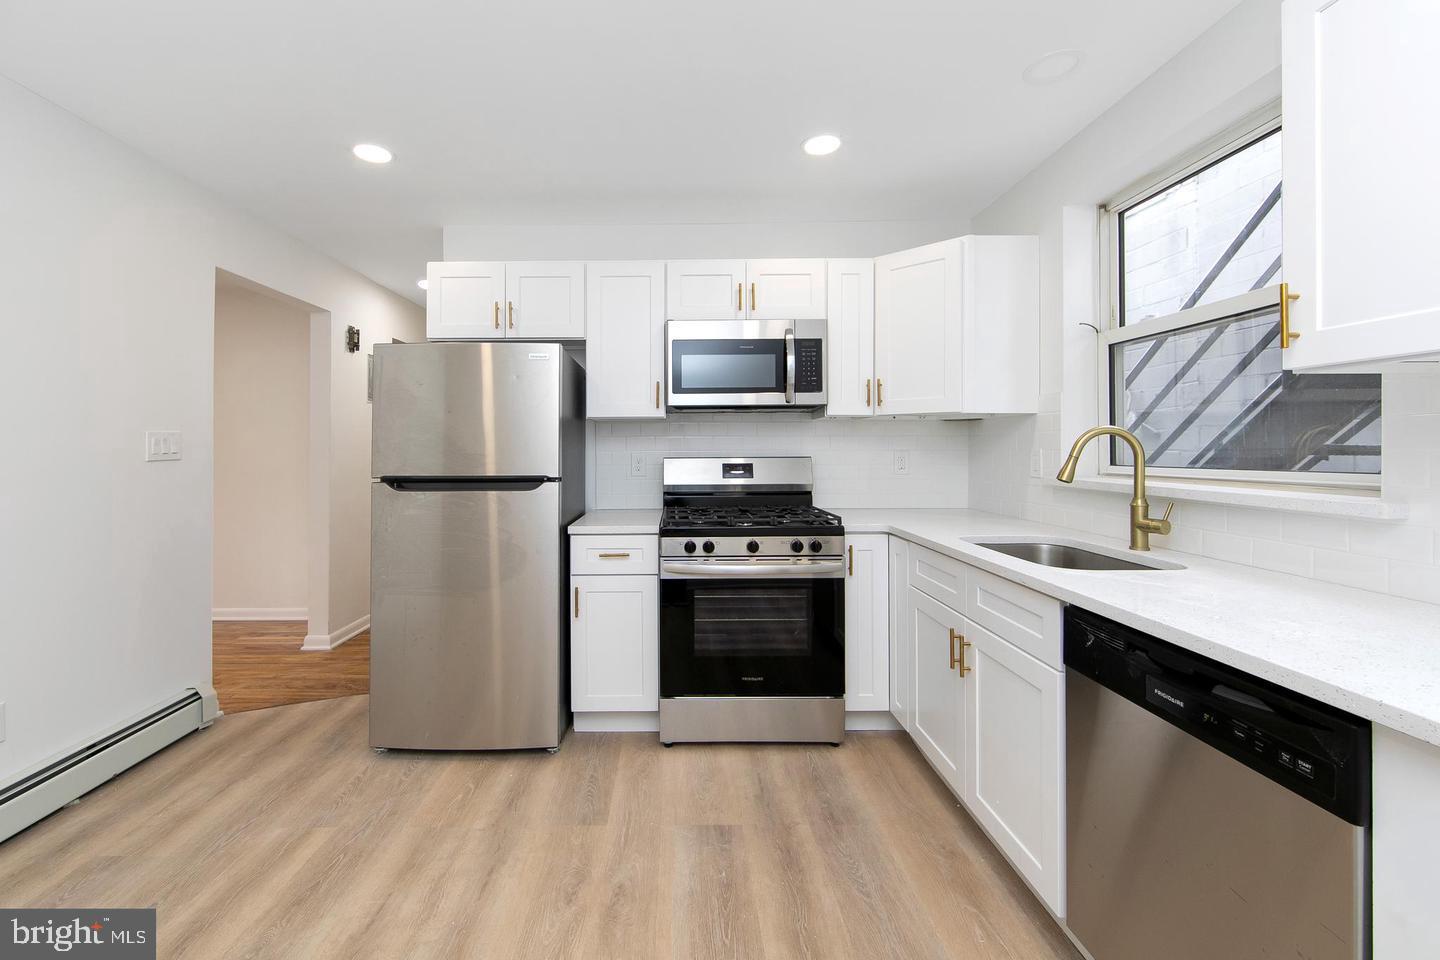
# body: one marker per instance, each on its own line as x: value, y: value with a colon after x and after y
x: 2, y: 721
x: 162, y: 444
x: 902, y: 463
x: 1037, y: 463
x: 637, y: 465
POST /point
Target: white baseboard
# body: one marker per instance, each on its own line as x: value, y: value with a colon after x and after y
x: 649, y: 722
x: 36, y: 793
x: 329, y: 641
x: 259, y: 613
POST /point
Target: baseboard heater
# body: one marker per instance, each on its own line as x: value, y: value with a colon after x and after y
x: 46, y: 788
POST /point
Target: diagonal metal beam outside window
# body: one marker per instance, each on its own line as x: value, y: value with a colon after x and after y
x: 1250, y: 227
x: 1240, y: 367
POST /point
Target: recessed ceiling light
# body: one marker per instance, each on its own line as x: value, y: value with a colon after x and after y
x: 1052, y: 67
x: 423, y: 284
x: 372, y: 153
x: 819, y: 146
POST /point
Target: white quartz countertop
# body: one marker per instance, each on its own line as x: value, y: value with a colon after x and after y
x: 617, y: 522
x: 1374, y: 655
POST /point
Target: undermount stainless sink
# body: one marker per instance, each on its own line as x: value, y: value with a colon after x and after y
x: 1070, y: 556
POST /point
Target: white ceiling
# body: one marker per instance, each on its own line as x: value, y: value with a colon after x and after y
x: 584, y: 111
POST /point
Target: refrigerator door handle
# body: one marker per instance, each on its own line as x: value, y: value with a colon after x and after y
x: 423, y: 484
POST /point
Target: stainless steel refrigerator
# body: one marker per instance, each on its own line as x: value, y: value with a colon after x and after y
x: 478, y: 460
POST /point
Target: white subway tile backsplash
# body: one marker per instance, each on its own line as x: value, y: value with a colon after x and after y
x: 1315, y: 531
x: 1225, y: 546
x: 1351, y: 569
x: 1283, y: 557
x: 1418, y: 581
x: 1396, y: 541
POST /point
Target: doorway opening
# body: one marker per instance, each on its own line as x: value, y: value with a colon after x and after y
x: 272, y: 640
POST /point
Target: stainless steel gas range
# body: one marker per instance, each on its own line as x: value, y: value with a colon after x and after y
x: 752, y: 604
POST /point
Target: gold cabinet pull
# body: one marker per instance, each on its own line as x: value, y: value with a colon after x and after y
x: 752, y: 295
x: 614, y: 556
x: 739, y: 296
x: 577, y: 603
x: 879, y: 393
x: 867, y: 391
x: 953, y: 659
x: 510, y: 309
x: 958, y: 659
x: 1287, y: 337
x: 497, y: 314
x: 850, y: 564
x: 657, y: 394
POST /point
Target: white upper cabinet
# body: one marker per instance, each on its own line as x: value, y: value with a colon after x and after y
x: 957, y: 328
x: 785, y: 289
x: 463, y: 300
x: 625, y: 351
x: 545, y: 300
x: 867, y: 622
x: 1360, y: 85
x: 850, y: 338
x: 474, y: 300
x: 705, y: 290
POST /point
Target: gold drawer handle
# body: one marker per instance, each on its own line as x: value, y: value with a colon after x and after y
x: 739, y: 296
x: 497, y: 314
x: 510, y: 307
x: 879, y: 393
x: 752, y: 296
x: 657, y: 394
x: 958, y: 660
x: 614, y: 556
x: 851, y: 563
x: 577, y: 603
x: 867, y: 391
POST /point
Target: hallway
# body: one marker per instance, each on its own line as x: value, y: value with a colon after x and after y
x: 259, y: 663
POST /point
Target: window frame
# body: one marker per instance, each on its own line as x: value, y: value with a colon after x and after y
x: 1253, y: 129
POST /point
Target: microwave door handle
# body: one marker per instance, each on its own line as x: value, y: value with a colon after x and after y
x: 789, y: 366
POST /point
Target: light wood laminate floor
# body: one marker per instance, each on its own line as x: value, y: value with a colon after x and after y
x: 259, y: 663
x: 279, y: 833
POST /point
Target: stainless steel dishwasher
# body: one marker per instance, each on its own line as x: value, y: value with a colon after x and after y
x: 1210, y: 815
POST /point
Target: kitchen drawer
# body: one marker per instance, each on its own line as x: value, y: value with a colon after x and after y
x: 938, y: 576
x: 615, y: 555
x: 1028, y: 620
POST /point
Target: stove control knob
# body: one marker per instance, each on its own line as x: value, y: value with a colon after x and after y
x: 689, y: 546
x: 708, y: 546
x: 816, y: 546
x: 753, y: 546
x: 797, y: 546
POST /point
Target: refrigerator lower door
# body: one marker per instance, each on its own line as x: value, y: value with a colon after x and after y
x: 465, y: 618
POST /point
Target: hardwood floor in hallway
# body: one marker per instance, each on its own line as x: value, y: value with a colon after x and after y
x: 259, y: 663
x: 280, y: 833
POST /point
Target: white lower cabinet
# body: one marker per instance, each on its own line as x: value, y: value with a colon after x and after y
x: 614, y: 643
x: 938, y: 710
x: 1013, y: 727
x: 867, y: 622
x: 902, y: 676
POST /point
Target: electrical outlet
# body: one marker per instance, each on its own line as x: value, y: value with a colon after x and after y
x: 637, y: 465
x: 162, y: 444
x: 1037, y: 464
x: 902, y: 463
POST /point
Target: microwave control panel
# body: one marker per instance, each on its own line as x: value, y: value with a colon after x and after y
x: 808, y: 366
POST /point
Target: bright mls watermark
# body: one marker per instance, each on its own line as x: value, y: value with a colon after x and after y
x: 116, y: 934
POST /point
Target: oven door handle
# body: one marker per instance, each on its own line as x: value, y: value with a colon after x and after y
x: 789, y: 365
x: 704, y: 569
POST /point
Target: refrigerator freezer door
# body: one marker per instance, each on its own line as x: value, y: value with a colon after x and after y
x: 467, y: 410
x: 465, y: 618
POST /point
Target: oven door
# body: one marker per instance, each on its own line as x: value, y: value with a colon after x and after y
x: 744, y: 363
x: 763, y: 630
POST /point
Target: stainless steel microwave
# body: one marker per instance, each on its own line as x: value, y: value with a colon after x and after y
x: 726, y: 364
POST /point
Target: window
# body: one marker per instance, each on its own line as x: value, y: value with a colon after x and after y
x: 1193, y: 352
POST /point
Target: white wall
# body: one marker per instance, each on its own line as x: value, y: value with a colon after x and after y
x: 262, y: 439
x: 853, y: 459
x: 1225, y: 75
x: 695, y: 241
x: 107, y: 286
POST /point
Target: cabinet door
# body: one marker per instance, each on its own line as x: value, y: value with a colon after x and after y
x: 463, y: 300
x: 785, y: 289
x: 1359, y: 84
x: 850, y: 338
x: 625, y: 343
x: 705, y: 290
x: 902, y: 677
x: 1012, y: 757
x: 917, y: 330
x: 867, y: 622
x: 614, y: 650
x: 545, y: 300
x: 939, y: 708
